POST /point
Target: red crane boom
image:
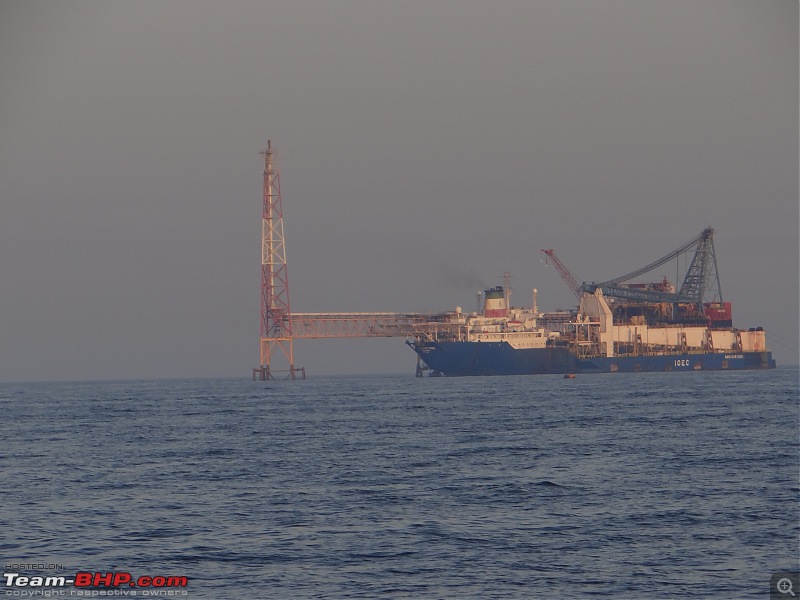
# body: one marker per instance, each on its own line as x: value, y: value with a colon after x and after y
x: 564, y: 272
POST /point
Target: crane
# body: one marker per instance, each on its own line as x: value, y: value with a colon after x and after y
x: 700, y: 285
x: 564, y: 272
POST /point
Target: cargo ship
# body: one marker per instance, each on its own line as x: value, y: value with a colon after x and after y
x: 617, y: 327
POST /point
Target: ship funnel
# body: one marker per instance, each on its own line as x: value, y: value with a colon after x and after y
x: 494, y: 303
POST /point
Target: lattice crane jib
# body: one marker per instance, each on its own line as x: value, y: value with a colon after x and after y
x: 565, y: 273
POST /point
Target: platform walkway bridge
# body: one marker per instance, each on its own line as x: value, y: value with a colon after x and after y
x: 332, y: 325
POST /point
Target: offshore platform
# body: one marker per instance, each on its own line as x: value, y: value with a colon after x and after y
x: 280, y: 326
x: 618, y: 326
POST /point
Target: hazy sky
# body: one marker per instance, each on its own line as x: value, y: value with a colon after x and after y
x: 423, y: 147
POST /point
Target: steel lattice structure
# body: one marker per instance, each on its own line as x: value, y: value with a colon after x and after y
x: 701, y: 281
x: 361, y: 324
x: 564, y: 272
x: 276, y: 329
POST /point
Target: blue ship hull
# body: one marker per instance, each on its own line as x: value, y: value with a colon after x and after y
x: 500, y: 358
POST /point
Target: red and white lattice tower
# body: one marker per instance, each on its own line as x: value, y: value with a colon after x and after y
x: 276, y: 325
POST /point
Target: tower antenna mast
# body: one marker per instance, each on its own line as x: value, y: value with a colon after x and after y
x: 276, y: 324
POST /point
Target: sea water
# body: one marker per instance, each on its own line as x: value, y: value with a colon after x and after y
x: 679, y: 485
